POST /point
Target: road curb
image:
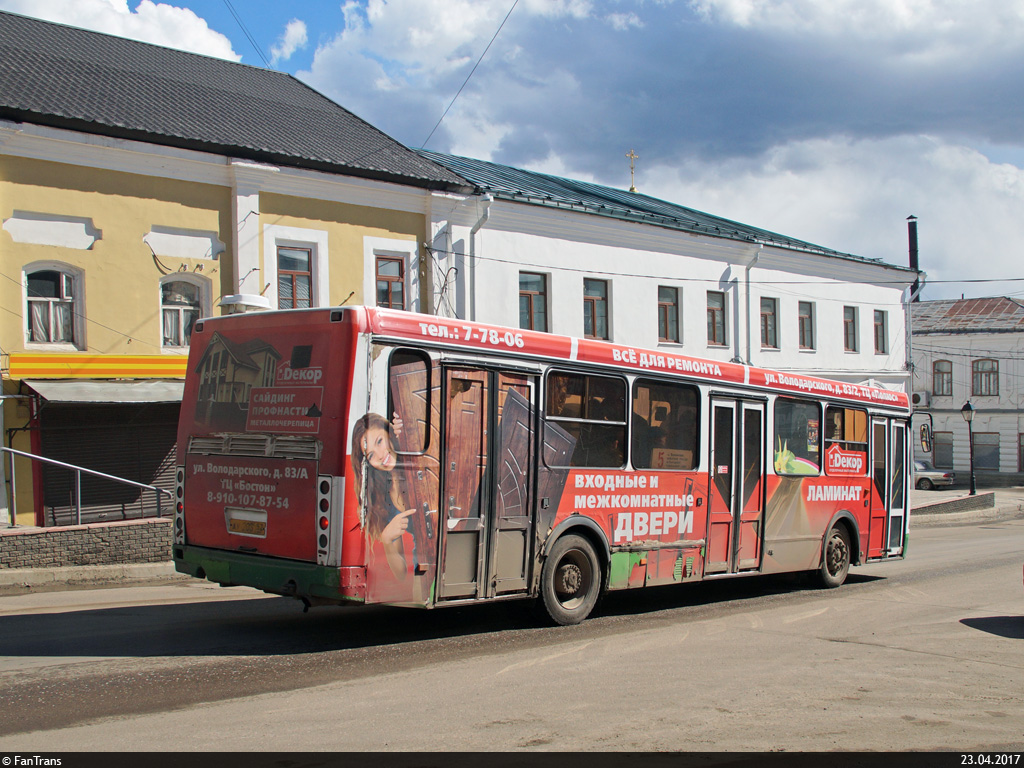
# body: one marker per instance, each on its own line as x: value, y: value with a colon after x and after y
x: 86, y: 575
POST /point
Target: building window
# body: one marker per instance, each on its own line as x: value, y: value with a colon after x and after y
x: 51, y: 307
x: 533, y: 301
x: 942, y: 378
x: 668, y: 314
x: 769, y: 323
x: 1020, y: 452
x: 985, y: 377
x: 805, y: 324
x: 595, y: 309
x: 881, y: 333
x: 986, y: 451
x: 294, y: 278
x: 390, y: 282
x: 942, y: 443
x: 716, y: 318
x: 850, y: 329
x: 180, y: 307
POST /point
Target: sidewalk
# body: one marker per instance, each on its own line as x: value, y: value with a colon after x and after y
x: 928, y: 508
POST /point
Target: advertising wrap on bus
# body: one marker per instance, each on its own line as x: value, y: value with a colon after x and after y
x: 366, y: 455
x: 255, y: 424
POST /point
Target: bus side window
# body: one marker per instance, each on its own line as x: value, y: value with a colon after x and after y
x: 592, y: 410
x: 409, y: 392
x: 847, y: 428
x: 797, y: 437
x: 665, y: 424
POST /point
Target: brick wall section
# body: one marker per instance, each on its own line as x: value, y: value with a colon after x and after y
x: 128, y: 541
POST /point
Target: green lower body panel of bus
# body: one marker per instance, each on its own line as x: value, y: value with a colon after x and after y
x: 278, y: 576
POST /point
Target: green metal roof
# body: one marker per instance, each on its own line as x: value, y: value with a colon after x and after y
x: 519, y: 185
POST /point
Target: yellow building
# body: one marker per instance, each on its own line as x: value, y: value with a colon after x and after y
x: 142, y: 188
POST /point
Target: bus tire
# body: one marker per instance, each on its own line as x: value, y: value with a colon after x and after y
x: 835, y: 557
x: 570, y: 580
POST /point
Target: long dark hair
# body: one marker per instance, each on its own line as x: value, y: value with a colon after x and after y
x: 378, y: 482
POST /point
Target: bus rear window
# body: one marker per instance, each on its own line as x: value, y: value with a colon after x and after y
x: 592, y: 410
x: 665, y: 423
x: 797, y: 437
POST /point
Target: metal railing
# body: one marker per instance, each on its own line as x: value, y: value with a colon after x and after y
x: 78, y: 482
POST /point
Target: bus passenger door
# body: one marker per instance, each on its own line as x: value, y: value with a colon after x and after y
x: 897, y: 488
x: 736, y: 504
x: 889, y: 485
x: 512, y: 518
x: 489, y: 474
x: 464, y: 471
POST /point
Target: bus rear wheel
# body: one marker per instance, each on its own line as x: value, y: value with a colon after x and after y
x: 835, y: 558
x: 570, y: 580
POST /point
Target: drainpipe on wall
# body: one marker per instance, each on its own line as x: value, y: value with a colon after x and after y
x: 486, y: 200
x: 750, y: 266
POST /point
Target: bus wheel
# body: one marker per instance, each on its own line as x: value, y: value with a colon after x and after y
x: 835, y: 560
x: 570, y: 580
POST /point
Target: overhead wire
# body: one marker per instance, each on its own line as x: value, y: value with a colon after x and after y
x: 493, y: 38
x: 245, y: 31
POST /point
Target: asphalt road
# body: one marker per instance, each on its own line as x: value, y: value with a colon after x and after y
x: 926, y: 653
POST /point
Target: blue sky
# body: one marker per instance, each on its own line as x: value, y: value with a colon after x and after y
x: 826, y: 120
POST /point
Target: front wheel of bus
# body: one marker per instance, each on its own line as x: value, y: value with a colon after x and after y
x: 570, y: 580
x: 835, y: 560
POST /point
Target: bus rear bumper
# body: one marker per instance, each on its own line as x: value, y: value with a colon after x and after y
x: 291, y: 578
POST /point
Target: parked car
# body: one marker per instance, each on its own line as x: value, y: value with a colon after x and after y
x: 927, y: 477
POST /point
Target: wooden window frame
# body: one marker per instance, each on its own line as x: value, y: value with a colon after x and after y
x: 716, y: 321
x: 531, y: 298
x: 850, y: 329
x: 805, y: 324
x: 590, y: 305
x: 881, y: 327
x: 668, y: 328
x: 379, y: 278
x: 769, y: 324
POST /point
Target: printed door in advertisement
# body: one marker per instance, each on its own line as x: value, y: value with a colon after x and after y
x: 489, y: 466
x: 736, y: 498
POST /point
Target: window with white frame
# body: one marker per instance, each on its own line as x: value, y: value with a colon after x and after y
x: 182, y: 302
x: 296, y: 267
x: 52, y: 305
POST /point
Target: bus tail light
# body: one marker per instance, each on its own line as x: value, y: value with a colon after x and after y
x: 179, y: 505
x: 328, y: 519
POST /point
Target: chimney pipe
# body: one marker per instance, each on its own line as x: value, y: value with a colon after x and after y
x: 912, y: 236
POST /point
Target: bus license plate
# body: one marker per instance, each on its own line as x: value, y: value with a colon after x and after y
x: 247, y: 522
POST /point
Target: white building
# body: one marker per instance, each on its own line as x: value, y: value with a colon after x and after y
x: 576, y: 258
x: 970, y: 350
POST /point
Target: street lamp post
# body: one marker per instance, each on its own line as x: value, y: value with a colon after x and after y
x: 968, y: 413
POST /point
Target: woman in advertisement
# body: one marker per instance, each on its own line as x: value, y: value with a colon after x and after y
x: 374, y: 458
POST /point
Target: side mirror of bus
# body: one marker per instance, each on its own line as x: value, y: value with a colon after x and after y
x: 926, y: 438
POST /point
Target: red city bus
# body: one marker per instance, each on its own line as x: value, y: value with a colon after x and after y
x: 357, y: 455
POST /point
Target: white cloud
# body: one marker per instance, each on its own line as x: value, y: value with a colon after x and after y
x: 160, y: 24
x: 854, y: 196
x: 157, y: 23
x: 292, y: 39
x: 623, y: 21
x: 919, y: 28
